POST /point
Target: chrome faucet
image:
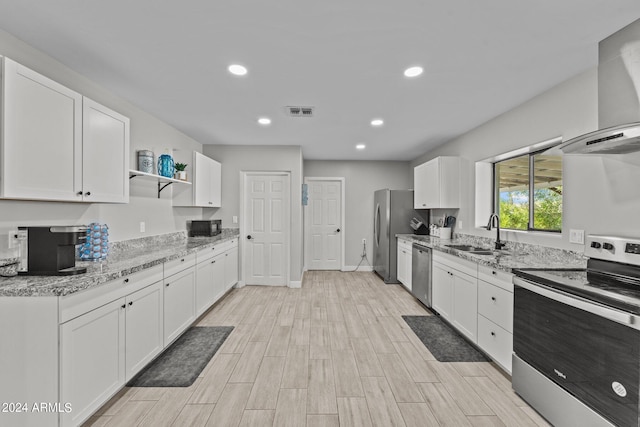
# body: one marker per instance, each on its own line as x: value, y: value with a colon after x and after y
x: 494, y: 221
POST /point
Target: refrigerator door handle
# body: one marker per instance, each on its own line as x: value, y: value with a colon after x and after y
x: 376, y: 225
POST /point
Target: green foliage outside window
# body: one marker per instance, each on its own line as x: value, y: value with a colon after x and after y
x: 514, y: 177
x: 547, y: 210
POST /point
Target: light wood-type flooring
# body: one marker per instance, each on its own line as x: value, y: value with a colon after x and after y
x: 335, y: 352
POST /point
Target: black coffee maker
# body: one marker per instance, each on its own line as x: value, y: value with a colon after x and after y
x: 50, y: 251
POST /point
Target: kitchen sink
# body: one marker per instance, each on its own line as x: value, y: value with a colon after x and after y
x: 466, y: 248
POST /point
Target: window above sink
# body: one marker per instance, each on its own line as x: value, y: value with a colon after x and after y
x: 524, y: 187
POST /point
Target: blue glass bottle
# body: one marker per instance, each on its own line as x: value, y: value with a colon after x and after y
x: 166, y: 167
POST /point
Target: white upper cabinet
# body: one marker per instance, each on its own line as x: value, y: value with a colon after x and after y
x: 41, y: 145
x: 105, y: 154
x: 436, y: 184
x: 54, y: 148
x: 206, y: 175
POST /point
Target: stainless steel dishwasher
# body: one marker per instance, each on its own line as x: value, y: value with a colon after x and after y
x: 421, y: 274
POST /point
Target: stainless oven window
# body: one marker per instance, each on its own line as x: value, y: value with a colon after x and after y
x: 595, y: 359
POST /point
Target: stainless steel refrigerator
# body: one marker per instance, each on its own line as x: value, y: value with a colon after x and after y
x: 393, y: 210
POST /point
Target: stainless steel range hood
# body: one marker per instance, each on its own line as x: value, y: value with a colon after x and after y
x: 618, y: 97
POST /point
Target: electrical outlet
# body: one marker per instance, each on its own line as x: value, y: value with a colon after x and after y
x: 142, y: 226
x: 459, y: 225
x: 235, y: 219
x: 576, y: 236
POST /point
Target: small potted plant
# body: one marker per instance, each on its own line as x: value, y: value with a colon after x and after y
x: 181, y: 174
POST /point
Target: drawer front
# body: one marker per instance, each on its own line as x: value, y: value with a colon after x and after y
x: 496, y: 277
x: 179, y: 264
x: 495, y: 304
x: 209, y: 253
x: 451, y: 261
x: 82, y: 302
x: 405, y: 245
x: 497, y: 342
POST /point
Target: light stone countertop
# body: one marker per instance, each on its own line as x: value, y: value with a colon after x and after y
x: 517, y: 255
x: 125, y: 258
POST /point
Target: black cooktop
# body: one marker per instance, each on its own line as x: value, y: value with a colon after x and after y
x: 608, y: 283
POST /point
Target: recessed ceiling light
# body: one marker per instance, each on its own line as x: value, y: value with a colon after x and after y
x: 377, y: 122
x: 264, y: 121
x: 413, y: 71
x: 360, y: 146
x: 237, y: 69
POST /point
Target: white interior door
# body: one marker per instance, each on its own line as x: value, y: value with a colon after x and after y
x: 266, y: 228
x: 323, y: 224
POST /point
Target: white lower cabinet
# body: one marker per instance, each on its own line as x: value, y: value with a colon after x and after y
x: 231, y: 267
x: 404, y: 268
x: 92, y: 359
x: 179, y: 303
x: 441, y: 291
x: 465, y: 307
x: 209, y: 282
x: 216, y: 273
x: 455, y: 292
x: 496, y: 341
x: 495, y: 315
x: 143, y: 328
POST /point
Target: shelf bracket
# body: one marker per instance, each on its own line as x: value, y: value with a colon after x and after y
x: 162, y: 187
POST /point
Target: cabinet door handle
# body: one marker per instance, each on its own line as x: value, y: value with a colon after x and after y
x: 182, y: 260
x: 88, y: 193
x: 167, y: 285
x: 79, y: 193
x: 126, y: 280
x: 123, y: 305
x: 493, y: 299
x: 213, y: 262
x: 493, y: 334
x: 494, y: 272
x: 130, y: 303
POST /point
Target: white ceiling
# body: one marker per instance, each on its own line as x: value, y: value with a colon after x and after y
x: 344, y: 57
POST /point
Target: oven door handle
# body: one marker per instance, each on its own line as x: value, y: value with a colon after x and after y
x: 580, y: 303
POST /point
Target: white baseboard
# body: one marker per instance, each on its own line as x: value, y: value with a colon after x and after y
x: 361, y: 268
x: 295, y: 283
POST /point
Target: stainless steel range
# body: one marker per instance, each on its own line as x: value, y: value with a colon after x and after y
x: 576, y: 337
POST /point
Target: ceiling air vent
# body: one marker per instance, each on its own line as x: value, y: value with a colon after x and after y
x: 293, y: 111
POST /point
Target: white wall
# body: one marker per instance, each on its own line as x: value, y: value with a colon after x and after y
x: 601, y: 193
x: 236, y: 159
x: 147, y: 132
x: 362, y: 178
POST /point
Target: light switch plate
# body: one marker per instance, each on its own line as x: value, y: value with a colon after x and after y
x: 576, y: 236
x: 235, y: 219
x: 142, y: 226
x: 13, y: 240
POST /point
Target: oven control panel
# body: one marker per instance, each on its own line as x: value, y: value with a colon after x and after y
x: 613, y: 248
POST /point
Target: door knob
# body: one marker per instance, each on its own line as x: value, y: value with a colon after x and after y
x: 338, y: 230
x: 249, y: 237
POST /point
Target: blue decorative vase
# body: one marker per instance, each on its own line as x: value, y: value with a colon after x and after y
x: 166, y: 166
